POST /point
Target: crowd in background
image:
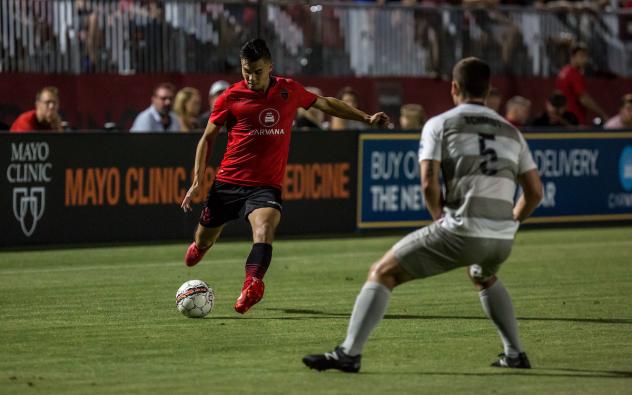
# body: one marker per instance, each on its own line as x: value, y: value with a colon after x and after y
x: 187, y: 109
x: 516, y: 37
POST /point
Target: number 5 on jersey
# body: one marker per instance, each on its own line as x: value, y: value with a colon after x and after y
x: 488, y: 154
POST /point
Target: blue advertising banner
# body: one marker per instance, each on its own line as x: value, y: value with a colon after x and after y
x: 389, y: 191
x: 587, y: 177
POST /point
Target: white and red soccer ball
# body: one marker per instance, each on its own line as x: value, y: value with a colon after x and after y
x: 195, y: 299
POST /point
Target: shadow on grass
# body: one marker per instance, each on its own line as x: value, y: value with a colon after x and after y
x: 537, y: 372
x: 324, y: 314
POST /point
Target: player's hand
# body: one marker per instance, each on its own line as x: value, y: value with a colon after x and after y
x: 379, y: 119
x: 186, y: 203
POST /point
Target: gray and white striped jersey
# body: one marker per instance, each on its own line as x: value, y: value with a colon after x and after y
x: 481, y: 157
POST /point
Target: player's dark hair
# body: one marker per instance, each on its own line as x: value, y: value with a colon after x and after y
x: 473, y: 76
x: 255, y: 49
x: 579, y: 47
x: 557, y: 99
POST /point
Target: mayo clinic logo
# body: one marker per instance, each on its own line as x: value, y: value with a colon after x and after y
x: 625, y: 168
x: 28, y: 170
x: 29, y: 203
x: 269, y: 117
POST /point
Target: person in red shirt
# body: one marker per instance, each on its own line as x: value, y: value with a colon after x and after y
x: 572, y: 83
x: 44, y: 117
x: 258, y: 113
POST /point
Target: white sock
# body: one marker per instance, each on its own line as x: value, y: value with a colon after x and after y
x: 497, y: 305
x: 368, y: 311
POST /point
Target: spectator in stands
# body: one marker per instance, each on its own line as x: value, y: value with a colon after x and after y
x: 187, y: 108
x: 412, y: 117
x: 555, y: 113
x: 311, y: 118
x: 158, y: 117
x: 350, y: 97
x: 89, y: 34
x: 498, y: 32
x: 623, y: 120
x: 216, y: 89
x: 572, y: 83
x: 45, y: 117
x: 518, y: 110
x: 494, y: 99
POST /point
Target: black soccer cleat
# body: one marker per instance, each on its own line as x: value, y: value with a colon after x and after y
x: 336, y: 359
x: 519, y: 362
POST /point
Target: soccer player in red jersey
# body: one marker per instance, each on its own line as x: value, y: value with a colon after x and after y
x: 258, y: 113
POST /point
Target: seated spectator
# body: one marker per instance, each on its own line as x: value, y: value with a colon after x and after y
x: 412, y: 117
x: 518, y: 110
x: 494, y: 99
x: 216, y: 89
x: 623, y: 120
x: 158, y: 117
x: 45, y: 117
x: 187, y: 108
x: 349, y: 96
x: 555, y: 113
x: 311, y: 118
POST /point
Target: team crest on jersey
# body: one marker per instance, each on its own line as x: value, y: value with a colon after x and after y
x: 269, y: 117
x: 284, y: 94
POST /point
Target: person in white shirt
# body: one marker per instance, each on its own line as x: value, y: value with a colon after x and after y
x: 158, y: 117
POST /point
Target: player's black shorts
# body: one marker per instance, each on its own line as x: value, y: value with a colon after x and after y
x: 226, y: 202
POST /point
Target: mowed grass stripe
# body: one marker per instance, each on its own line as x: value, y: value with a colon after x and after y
x: 146, y: 265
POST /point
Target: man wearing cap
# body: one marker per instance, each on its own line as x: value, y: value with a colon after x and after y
x: 216, y: 89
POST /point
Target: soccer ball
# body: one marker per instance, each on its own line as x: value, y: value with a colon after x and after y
x: 195, y: 299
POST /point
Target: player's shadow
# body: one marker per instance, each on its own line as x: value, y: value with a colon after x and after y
x: 323, y: 314
x: 538, y: 372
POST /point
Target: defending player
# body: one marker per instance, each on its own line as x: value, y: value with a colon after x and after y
x: 258, y: 113
x: 482, y: 158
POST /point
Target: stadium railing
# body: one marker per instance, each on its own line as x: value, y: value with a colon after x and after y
x: 329, y: 38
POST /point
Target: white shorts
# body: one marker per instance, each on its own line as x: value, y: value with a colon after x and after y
x: 433, y: 250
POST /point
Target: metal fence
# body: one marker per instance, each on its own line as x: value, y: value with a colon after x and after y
x: 329, y: 38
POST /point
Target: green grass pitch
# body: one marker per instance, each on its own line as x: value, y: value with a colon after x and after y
x: 103, y: 320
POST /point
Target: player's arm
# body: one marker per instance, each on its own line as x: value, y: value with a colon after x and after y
x: 340, y: 109
x: 531, y: 195
x: 587, y: 101
x: 202, y: 154
x: 431, y: 187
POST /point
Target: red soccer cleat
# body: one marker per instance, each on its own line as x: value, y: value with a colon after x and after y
x: 251, y: 294
x: 194, y: 255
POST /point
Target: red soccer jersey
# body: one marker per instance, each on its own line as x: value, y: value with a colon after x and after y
x: 259, y: 127
x: 572, y: 83
x: 27, y: 122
